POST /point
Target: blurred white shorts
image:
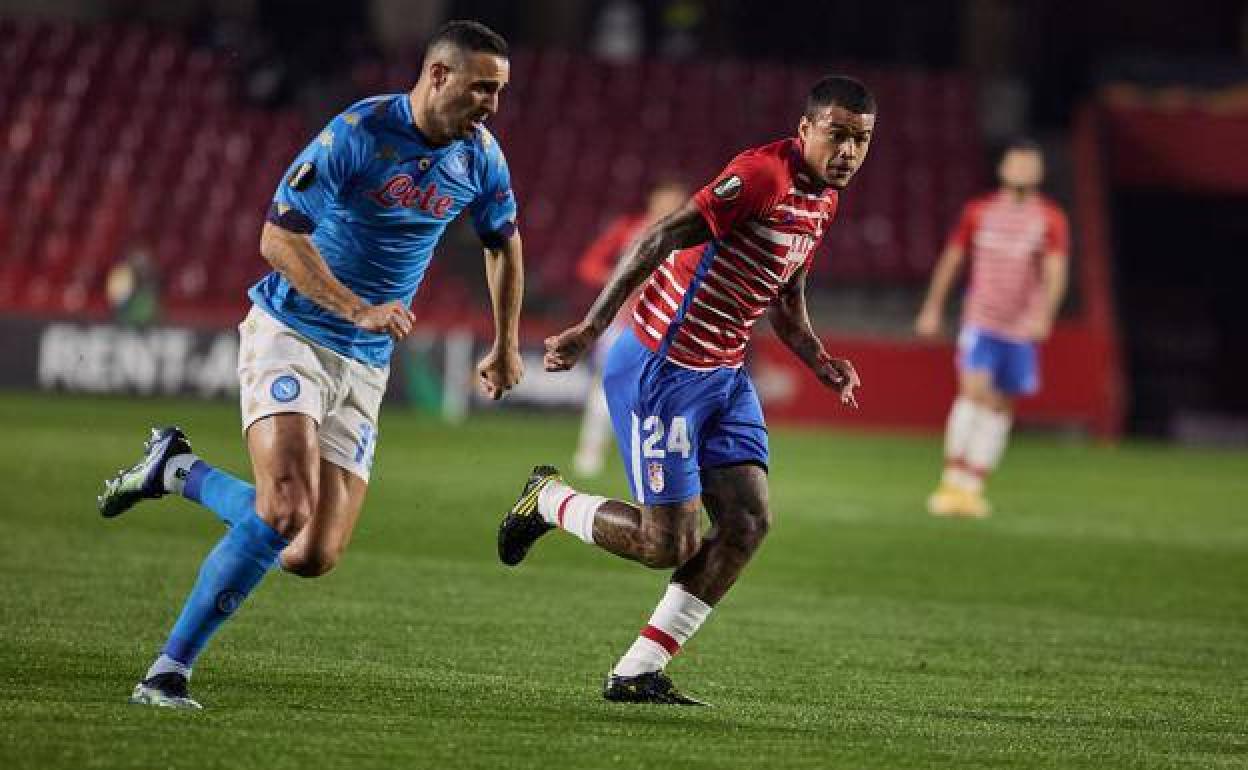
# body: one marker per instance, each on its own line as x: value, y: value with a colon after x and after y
x: 280, y: 372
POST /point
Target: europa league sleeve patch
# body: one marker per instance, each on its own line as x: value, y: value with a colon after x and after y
x: 303, y: 177
x: 727, y: 188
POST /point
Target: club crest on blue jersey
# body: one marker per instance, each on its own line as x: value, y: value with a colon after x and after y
x: 284, y: 389
x: 457, y: 163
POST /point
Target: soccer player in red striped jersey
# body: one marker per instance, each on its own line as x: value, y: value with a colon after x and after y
x: 1017, y: 241
x: 686, y: 416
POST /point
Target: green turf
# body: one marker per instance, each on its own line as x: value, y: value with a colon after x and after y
x: 1099, y: 620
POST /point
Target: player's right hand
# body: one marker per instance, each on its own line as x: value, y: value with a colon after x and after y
x: 927, y: 324
x: 391, y: 318
x: 567, y: 347
x: 840, y: 375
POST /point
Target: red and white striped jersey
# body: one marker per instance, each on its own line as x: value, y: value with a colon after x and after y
x: 767, y: 216
x: 1006, y: 240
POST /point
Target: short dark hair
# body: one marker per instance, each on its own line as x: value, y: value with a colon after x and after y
x: 841, y: 91
x: 470, y: 36
x: 1021, y: 143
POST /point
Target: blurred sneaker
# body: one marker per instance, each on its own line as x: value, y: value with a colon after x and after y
x: 146, y: 478
x: 945, y: 501
x: 168, y: 690
x: 973, y: 505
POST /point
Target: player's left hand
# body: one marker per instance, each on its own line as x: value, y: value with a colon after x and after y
x: 499, y: 372
x: 840, y: 375
x: 567, y: 347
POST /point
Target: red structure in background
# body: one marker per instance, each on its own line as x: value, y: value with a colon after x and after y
x: 117, y: 135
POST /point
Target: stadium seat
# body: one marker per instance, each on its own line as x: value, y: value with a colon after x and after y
x: 92, y: 146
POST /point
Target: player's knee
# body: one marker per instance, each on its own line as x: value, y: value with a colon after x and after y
x: 312, y: 562
x: 287, y: 505
x: 750, y: 529
x: 759, y: 525
x: 670, y: 548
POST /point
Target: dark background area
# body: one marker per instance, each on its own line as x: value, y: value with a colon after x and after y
x: 1178, y: 255
x: 1181, y: 289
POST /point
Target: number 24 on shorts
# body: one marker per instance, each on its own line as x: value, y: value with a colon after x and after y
x: 677, y: 437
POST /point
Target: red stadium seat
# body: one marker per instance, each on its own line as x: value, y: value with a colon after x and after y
x: 121, y: 134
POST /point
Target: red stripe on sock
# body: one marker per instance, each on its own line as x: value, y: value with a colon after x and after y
x: 661, y: 638
x: 562, y: 507
x: 955, y: 463
x: 980, y: 473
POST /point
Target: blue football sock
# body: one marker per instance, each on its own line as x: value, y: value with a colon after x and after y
x: 231, y: 571
x: 232, y: 499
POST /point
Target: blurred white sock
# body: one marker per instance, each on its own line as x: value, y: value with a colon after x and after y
x: 167, y: 665
x: 595, y: 430
x: 987, y: 444
x: 958, y: 431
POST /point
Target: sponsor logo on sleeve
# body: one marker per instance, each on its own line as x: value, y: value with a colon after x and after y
x: 727, y: 188
x: 302, y: 177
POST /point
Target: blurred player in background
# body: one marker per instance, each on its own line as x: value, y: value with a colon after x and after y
x: 687, y: 418
x: 350, y: 234
x: 594, y: 268
x: 1017, y: 241
x: 133, y: 288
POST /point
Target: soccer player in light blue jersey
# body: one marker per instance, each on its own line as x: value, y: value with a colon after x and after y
x: 350, y: 234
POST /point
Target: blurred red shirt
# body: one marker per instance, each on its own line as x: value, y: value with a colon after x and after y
x: 1006, y: 241
x: 598, y: 261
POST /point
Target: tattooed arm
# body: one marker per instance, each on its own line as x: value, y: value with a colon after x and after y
x: 687, y: 227
x: 791, y: 323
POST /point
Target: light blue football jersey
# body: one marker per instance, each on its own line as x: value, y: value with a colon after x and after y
x: 375, y: 197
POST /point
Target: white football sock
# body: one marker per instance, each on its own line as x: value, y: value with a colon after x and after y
x: 958, y: 431
x: 563, y: 506
x: 176, y: 470
x: 983, y: 453
x: 677, y: 617
x: 595, y: 428
x: 167, y: 665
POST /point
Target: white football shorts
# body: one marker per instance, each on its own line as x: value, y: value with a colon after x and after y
x: 280, y: 372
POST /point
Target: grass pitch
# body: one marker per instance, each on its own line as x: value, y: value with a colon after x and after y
x: 1100, y: 619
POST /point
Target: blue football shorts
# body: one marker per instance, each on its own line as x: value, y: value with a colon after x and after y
x: 671, y: 422
x: 1013, y: 365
